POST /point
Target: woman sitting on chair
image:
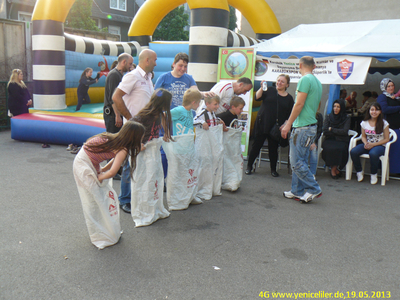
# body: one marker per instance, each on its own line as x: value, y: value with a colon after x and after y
x: 375, y: 134
x: 335, y: 147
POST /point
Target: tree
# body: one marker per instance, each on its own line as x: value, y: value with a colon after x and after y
x: 80, y: 16
x: 171, y: 28
x: 232, y: 18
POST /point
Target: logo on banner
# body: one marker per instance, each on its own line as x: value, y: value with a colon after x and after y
x: 156, y: 192
x: 345, y: 68
x: 236, y: 64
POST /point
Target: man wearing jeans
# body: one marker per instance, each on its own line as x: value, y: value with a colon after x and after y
x: 131, y: 95
x: 308, y: 98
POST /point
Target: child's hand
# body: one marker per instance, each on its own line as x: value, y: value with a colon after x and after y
x: 165, y: 138
x: 313, y: 146
x: 393, y: 97
x: 100, y: 177
x: 142, y: 147
x: 205, y: 126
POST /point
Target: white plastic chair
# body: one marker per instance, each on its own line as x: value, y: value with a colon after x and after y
x: 351, y: 133
x: 264, y: 150
x: 384, y: 158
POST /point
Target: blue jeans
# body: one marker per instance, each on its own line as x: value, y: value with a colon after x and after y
x: 374, y: 155
x: 125, y: 194
x: 313, y: 160
x: 302, y: 178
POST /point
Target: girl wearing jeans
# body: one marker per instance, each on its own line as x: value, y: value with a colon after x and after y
x: 375, y: 134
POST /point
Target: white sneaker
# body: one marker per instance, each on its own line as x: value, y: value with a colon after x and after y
x: 290, y: 195
x: 374, y: 178
x: 360, y: 176
x: 307, y: 197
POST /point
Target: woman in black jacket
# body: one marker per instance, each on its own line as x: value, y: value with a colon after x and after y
x: 266, y: 118
x: 335, y: 147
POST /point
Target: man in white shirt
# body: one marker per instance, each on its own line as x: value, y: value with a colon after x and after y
x: 131, y: 95
x: 226, y: 91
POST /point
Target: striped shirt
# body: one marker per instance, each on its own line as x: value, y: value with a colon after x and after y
x: 97, y: 158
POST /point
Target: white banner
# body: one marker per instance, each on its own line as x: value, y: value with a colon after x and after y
x: 329, y: 70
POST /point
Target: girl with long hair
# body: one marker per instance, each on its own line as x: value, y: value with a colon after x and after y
x: 19, y: 98
x: 97, y: 196
x: 84, y: 82
x: 375, y: 134
x: 156, y: 114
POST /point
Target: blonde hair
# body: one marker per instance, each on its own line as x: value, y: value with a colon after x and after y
x: 190, y: 96
x: 209, y: 100
x: 14, y: 78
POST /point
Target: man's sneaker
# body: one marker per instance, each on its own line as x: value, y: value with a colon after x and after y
x: 307, y: 197
x: 290, y: 195
x: 360, y: 176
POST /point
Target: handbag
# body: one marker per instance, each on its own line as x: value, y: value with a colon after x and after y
x: 275, y: 132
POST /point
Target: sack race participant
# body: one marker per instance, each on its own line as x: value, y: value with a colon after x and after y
x: 233, y: 159
x: 147, y: 186
x: 98, y: 198
x: 209, y: 150
x: 182, y: 173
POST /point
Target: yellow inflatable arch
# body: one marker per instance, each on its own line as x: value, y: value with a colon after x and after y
x: 260, y: 16
x: 208, y: 32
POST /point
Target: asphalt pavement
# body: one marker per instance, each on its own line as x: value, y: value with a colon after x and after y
x: 240, y: 245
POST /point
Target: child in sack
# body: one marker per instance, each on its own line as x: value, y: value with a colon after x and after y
x: 182, y: 117
x: 147, y: 207
x: 206, y: 117
x: 236, y: 108
x: 99, y: 199
x: 156, y: 114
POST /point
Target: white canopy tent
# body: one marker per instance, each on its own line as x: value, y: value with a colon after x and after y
x: 378, y: 39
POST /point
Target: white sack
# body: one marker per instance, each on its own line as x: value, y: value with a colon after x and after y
x: 183, y: 169
x: 233, y: 159
x: 147, y: 186
x: 209, y: 150
x: 99, y: 203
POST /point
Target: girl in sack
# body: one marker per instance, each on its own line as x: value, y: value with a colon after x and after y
x: 99, y: 200
x: 147, y: 184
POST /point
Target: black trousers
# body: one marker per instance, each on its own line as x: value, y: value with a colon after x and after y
x: 256, y: 147
x: 109, y: 121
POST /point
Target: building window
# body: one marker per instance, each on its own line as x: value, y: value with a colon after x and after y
x: 98, y: 22
x: 118, y: 4
x: 114, y: 29
x: 24, y: 16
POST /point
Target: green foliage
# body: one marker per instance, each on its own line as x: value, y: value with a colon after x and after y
x: 80, y: 16
x: 232, y: 18
x: 171, y: 28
